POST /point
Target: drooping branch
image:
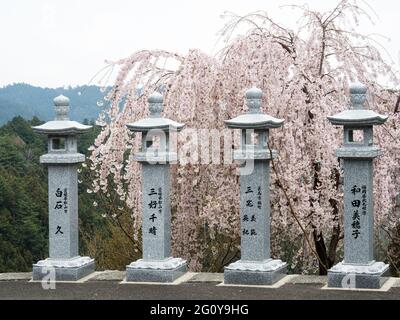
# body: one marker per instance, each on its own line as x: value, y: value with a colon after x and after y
x: 303, y: 74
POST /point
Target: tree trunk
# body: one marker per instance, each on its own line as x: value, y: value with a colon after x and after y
x: 321, y: 251
x: 326, y: 257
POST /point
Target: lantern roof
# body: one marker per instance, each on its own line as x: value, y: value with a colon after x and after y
x: 62, y: 124
x: 155, y: 121
x: 254, y: 119
x: 357, y: 115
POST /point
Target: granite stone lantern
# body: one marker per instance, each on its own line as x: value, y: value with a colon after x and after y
x: 155, y: 156
x: 62, y: 161
x: 255, y: 266
x: 358, y: 269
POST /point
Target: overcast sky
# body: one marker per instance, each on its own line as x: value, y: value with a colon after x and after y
x: 65, y: 42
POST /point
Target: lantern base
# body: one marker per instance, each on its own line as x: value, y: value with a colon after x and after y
x: 72, y: 269
x: 267, y: 272
x: 164, y: 271
x: 354, y: 276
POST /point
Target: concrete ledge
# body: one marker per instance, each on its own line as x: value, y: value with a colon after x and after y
x: 17, y: 276
x: 207, y: 277
x: 309, y: 279
x: 396, y: 282
x: 109, y: 275
x: 183, y: 279
x: 192, y: 277
x: 286, y: 279
x: 79, y: 281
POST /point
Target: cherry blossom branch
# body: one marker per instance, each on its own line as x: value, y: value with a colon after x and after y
x: 291, y: 209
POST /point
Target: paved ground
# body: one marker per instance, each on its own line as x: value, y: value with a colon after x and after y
x: 199, y: 287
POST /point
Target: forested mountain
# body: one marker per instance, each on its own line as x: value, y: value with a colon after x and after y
x: 28, y: 101
x: 23, y: 207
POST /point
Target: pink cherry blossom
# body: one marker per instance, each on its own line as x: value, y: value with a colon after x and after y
x: 304, y: 74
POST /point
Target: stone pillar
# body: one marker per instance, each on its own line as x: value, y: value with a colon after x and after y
x: 359, y: 269
x: 157, y: 264
x: 255, y: 213
x: 256, y: 266
x: 156, y: 211
x: 62, y: 161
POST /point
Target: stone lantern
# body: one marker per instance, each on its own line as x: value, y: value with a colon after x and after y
x: 358, y: 269
x: 255, y: 266
x: 155, y: 157
x: 62, y: 161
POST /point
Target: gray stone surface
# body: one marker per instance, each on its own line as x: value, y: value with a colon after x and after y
x: 15, y: 276
x: 360, y: 281
x: 156, y: 157
x: 157, y: 264
x: 156, y: 212
x: 62, y: 161
x: 109, y: 275
x: 63, y: 211
x: 155, y: 121
x: 303, y: 279
x: 75, y: 158
x: 263, y: 266
x: 63, y: 273
x: 207, y: 277
x: 358, y: 265
x: 361, y: 153
x: 112, y: 290
x: 358, y: 275
x: 397, y: 284
x: 254, y: 277
x: 165, y: 264
x: 155, y: 275
x: 254, y: 119
x: 255, y: 265
x: 358, y: 248
x: 358, y: 115
x: 255, y: 213
x: 254, y: 154
x: 61, y: 124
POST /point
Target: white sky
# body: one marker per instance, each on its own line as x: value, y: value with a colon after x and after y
x: 65, y: 42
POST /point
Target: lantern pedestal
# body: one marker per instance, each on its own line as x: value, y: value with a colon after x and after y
x: 371, y: 276
x: 64, y: 269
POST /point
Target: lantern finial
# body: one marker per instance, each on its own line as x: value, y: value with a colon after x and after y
x: 156, y: 105
x: 61, y: 107
x: 358, y: 95
x: 254, y: 100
